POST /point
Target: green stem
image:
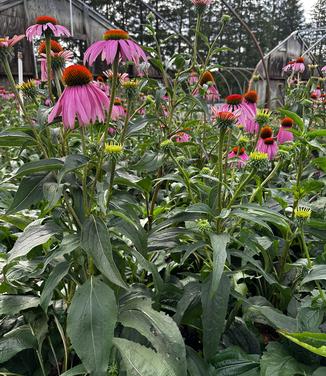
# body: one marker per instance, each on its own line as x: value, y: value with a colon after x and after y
x: 7, y: 69
x: 84, y: 174
x: 197, y: 30
x: 48, y: 63
x: 219, y: 167
x: 269, y: 177
x: 239, y: 189
x: 305, y: 248
x: 185, y: 176
x: 57, y: 83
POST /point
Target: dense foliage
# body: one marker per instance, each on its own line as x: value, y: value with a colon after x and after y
x: 163, y: 241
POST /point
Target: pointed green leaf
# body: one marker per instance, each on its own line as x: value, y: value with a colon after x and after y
x: 91, y: 320
x: 34, y: 234
x: 218, y: 243
x: 159, y: 329
x: 139, y: 360
x: 57, y: 274
x: 314, y: 342
x: 95, y: 240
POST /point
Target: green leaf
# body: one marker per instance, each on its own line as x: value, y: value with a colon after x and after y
x: 52, y: 193
x: 34, y: 234
x: 196, y: 365
x: 320, y: 162
x: 218, y: 243
x: 13, y: 304
x: 267, y: 215
x: 316, y: 273
x: 57, y: 274
x: 150, y: 161
x: 39, y: 166
x: 273, y: 317
x: 278, y: 362
x: 320, y: 371
x: 314, y: 342
x: 214, y: 312
x: 16, y: 341
x: 91, y: 320
x: 190, y: 295
x: 72, y: 163
x: 251, y: 218
x: 159, y: 329
x: 75, y: 371
x: 95, y: 240
x: 316, y: 133
x: 138, y: 124
x: 15, y: 138
x: 292, y: 115
x: 235, y: 362
x: 30, y: 191
x: 139, y: 360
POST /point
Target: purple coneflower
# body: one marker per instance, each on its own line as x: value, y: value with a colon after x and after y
x: 115, y: 42
x: 181, y: 137
x: 266, y: 132
x: 250, y: 100
x: 240, y: 154
x: 59, y: 58
x: 323, y: 69
x: 234, y: 103
x: 81, y: 98
x: 283, y: 134
x: 298, y: 65
x: 46, y: 24
x: 207, y: 82
x: 289, y: 66
x: 269, y: 147
x: 7, y: 42
x: 118, y: 111
x: 193, y: 78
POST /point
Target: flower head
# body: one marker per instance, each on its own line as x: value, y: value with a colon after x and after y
x: 266, y: 132
x: 223, y: 119
x: 240, y: 154
x: 302, y: 213
x: 250, y: 100
x: 298, y: 65
x: 203, y: 225
x: 58, y: 62
x: 181, y: 137
x: 234, y: 103
x: 10, y: 42
x: 206, y: 77
x: 259, y: 161
x: 118, y: 111
x: 283, y: 134
x: 201, y: 5
x: 234, y: 99
x: 112, y: 148
x: 7, y: 43
x: 81, y: 98
x: 251, y: 96
x: 55, y: 47
x: 269, y: 146
x: 28, y: 88
x: 46, y: 24
x: 115, y: 43
x: 130, y: 87
x: 193, y: 78
x: 208, y: 85
x: 263, y: 116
